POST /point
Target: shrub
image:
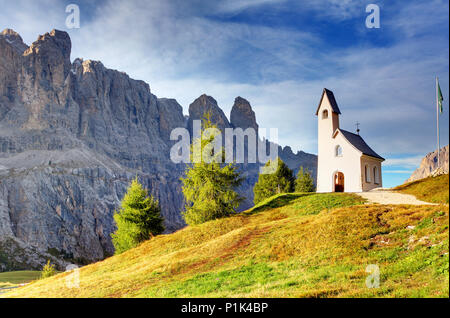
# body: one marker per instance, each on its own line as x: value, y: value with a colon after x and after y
x: 270, y: 183
x: 48, y: 270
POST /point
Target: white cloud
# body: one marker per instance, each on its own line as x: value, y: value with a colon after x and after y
x: 407, y: 162
x: 31, y: 18
x: 398, y: 171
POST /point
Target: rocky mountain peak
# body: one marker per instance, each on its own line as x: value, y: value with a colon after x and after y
x: 9, y: 32
x: 288, y: 150
x: 13, y: 38
x: 48, y: 59
x: 429, y: 165
x: 242, y: 114
x: 207, y: 104
x: 54, y: 43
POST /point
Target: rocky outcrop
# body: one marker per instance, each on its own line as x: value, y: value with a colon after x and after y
x: 17, y: 255
x: 207, y: 105
x: 429, y: 165
x: 10, y: 63
x: 242, y: 114
x: 72, y: 136
x: 14, y: 39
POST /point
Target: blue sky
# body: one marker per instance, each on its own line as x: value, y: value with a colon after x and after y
x: 278, y: 54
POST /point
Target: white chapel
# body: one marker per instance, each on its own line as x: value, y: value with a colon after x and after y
x: 345, y: 162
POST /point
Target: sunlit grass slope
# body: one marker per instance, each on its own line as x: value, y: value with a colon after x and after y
x: 431, y: 189
x: 9, y: 279
x: 292, y: 245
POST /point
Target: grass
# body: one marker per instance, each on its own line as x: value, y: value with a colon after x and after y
x: 10, y: 279
x: 431, y: 189
x: 293, y: 245
x: 306, y: 203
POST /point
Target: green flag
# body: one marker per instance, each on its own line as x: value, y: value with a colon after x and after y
x: 440, y: 99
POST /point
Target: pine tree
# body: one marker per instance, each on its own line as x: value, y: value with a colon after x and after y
x: 270, y: 183
x: 138, y: 219
x: 304, y: 181
x: 209, y: 186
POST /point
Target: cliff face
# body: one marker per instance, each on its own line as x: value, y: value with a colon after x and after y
x: 429, y: 165
x: 72, y: 136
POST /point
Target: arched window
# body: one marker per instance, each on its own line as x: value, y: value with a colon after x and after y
x: 376, y: 176
x: 367, y: 173
x: 338, y: 151
x: 325, y: 114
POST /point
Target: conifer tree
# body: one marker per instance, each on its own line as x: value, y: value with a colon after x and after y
x: 209, y: 185
x: 270, y: 183
x: 304, y: 181
x: 138, y: 218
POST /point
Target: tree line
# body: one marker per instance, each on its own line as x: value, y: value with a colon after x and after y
x: 210, y: 192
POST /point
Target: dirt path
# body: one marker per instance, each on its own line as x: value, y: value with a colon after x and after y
x: 391, y: 197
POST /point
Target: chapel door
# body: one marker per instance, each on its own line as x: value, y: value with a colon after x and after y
x: 339, y: 182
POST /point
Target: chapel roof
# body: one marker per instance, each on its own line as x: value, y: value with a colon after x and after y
x: 330, y: 95
x: 359, y: 143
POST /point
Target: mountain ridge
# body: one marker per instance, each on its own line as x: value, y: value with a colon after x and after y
x: 72, y: 136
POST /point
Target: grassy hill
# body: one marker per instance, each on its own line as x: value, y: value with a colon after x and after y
x: 431, y: 189
x: 10, y: 279
x: 291, y: 245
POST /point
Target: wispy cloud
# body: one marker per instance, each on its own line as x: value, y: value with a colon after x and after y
x: 398, y: 171
x: 233, y: 6
x: 410, y: 162
x: 339, y: 10
x: 419, y: 18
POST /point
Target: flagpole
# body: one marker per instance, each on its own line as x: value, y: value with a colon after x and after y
x: 437, y: 117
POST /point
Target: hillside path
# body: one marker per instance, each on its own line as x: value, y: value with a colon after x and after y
x: 391, y: 197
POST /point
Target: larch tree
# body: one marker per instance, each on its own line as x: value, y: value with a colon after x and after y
x: 209, y: 185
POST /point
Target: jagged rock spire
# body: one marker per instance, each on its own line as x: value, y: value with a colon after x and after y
x: 242, y: 114
x: 206, y: 104
x: 13, y: 38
